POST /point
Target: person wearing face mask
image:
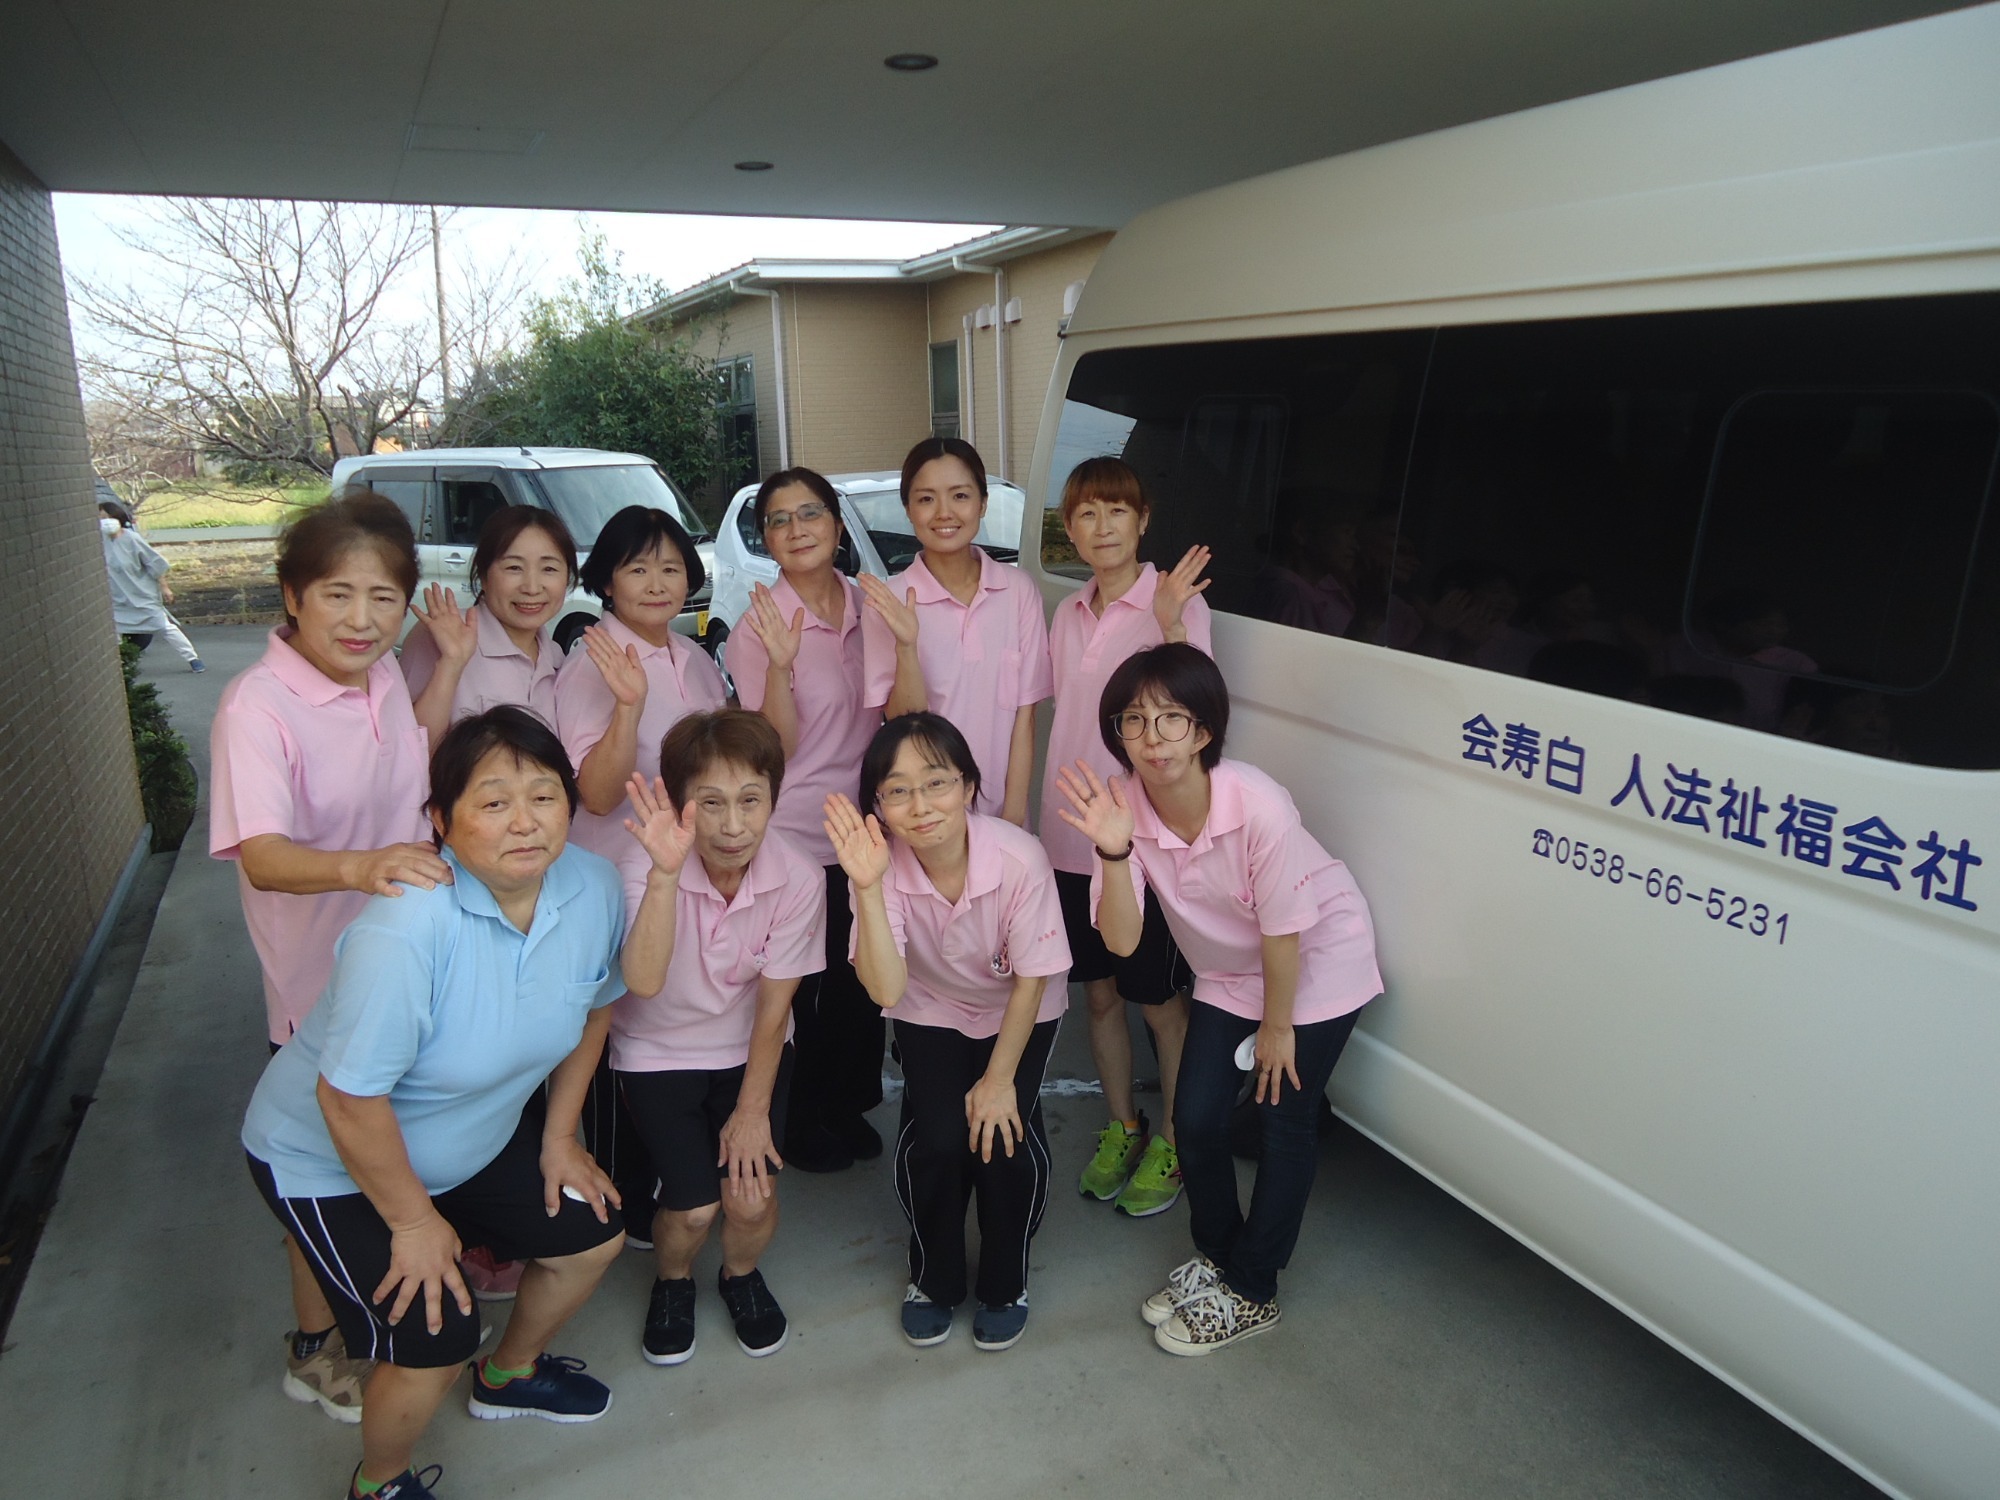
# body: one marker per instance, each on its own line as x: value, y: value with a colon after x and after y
x: 1283, y: 951
x: 797, y: 659
x: 615, y: 701
x: 1128, y: 606
x: 462, y: 662
x: 320, y: 772
x: 139, y: 591
x: 957, y: 633
x: 704, y: 1060
x: 957, y: 929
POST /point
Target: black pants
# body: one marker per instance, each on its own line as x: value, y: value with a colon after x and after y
x: 837, y: 1031
x: 1250, y: 1250
x: 937, y: 1173
x: 614, y: 1141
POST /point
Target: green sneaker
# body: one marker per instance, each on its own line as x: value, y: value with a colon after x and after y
x: 1156, y: 1182
x: 1118, y: 1151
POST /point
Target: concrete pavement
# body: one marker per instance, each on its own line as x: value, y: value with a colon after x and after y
x: 1423, y: 1352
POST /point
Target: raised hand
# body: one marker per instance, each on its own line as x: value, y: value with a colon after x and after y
x: 1171, y: 595
x: 385, y: 871
x: 767, y: 623
x: 858, y: 843
x: 622, y: 671
x: 664, y: 834
x: 455, y: 631
x: 900, y: 615
x: 1103, y: 813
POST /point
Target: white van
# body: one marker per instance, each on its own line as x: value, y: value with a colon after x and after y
x: 449, y: 492
x: 1606, y: 558
x: 880, y: 540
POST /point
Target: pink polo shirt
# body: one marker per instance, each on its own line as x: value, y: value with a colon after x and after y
x: 834, y: 724
x: 963, y: 955
x: 1085, y: 649
x: 680, y: 680
x: 982, y: 662
x: 328, y: 767
x: 1253, y: 870
x: 774, y: 927
x: 499, y: 671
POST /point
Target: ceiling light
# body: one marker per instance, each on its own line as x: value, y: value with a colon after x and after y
x: 909, y: 62
x: 753, y: 166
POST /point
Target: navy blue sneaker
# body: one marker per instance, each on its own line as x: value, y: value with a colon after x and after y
x: 411, y: 1484
x: 558, y: 1391
x: 197, y: 665
x: 924, y: 1322
x: 996, y: 1328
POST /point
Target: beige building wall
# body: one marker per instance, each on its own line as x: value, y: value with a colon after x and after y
x: 72, y: 814
x: 860, y: 388
x: 740, y: 325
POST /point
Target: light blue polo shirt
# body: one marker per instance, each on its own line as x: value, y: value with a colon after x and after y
x: 441, y: 1003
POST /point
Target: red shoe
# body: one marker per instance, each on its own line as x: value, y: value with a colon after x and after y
x: 490, y: 1280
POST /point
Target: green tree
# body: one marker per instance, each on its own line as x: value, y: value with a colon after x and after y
x: 589, y: 377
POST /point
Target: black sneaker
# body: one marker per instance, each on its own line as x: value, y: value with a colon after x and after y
x: 858, y: 1136
x: 814, y: 1148
x: 760, y: 1323
x: 670, y: 1323
x: 411, y: 1484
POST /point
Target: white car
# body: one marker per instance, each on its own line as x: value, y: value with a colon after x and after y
x: 449, y: 492
x: 879, y: 540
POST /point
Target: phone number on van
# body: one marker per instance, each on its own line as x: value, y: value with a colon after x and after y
x: 1718, y: 905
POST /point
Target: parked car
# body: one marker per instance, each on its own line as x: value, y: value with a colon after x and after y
x: 879, y: 540
x: 449, y: 492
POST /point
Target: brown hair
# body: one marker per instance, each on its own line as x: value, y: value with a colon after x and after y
x: 728, y: 736
x: 504, y: 527
x: 933, y: 448
x: 1108, y: 479
x: 311, y: 547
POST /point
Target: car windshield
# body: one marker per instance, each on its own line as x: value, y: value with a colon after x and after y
x: 588, y: 497
x: 881, y: 513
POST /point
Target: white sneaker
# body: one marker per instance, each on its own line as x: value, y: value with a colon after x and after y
x: 1197, y: 1275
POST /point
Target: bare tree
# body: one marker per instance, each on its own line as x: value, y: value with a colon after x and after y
x: 282, y: 335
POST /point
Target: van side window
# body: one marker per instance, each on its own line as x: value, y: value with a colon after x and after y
x: 751, y: 533
x: 468, y: 503
x: 409, y: 494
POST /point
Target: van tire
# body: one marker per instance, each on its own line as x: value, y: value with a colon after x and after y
x: 715, y: 640
x: 570, y: 628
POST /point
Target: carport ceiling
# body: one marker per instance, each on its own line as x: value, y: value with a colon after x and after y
x: 1040, y: 111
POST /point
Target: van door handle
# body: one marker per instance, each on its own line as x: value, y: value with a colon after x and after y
x: 457, y: 559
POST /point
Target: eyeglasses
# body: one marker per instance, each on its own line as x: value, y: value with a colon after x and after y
x: 1171, y: 724
x: 933, y: 789
x: 805, y: 515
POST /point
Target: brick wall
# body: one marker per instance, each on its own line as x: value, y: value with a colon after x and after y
x: 70, y: 810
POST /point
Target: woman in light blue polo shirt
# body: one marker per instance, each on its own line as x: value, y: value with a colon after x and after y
x: 389, y: 1130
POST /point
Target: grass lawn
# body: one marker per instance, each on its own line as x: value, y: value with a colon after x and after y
x: 216, y: 502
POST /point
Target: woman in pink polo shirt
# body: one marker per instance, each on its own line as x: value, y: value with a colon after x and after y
x: 615, y: 701
x: 957, y: 927
x: 462, y: 662
x: 320, y: 774
x: 797, y: 660
x: 705, y: 1061
x: 1279, y: 938
x: 958, y: 633
x: 1127, y: 606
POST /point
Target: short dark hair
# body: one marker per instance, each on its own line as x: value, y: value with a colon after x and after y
x: 733, y: 736
x: 936, y: 738
x: 311, y: 546
x: 117, y: 511
x: 812, y: 479
x: 504, y: 527
x: 933, y: 448
x: 1178, y: 672
x: 633, y: 532
x: 471, y: 740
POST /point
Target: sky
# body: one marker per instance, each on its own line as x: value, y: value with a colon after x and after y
x: 676, y: 249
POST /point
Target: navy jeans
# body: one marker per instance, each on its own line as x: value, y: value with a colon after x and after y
x: 1250, y: 1251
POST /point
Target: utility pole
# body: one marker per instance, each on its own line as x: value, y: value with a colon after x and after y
x: 444, y: 341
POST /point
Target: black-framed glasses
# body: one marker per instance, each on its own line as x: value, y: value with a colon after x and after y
x: 1169, y: 724
x: 932, y: 787
x: 805, y: 515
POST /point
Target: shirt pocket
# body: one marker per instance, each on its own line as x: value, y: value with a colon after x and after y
x: 582, y: 994
x: 745, y: 966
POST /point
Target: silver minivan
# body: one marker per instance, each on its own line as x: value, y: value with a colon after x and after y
x: 448, y: 493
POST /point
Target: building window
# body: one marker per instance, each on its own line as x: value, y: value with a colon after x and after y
x: 736, y: 417
x: 944, y: 389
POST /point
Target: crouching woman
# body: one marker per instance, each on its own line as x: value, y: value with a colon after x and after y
x: 390, y: 1130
